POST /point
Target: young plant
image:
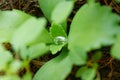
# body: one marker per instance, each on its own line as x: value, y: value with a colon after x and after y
x: 25, y: 38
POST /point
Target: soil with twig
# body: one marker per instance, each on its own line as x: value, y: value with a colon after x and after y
x: 109, y: 68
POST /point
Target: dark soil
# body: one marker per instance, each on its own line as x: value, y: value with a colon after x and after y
x: 109, y: 68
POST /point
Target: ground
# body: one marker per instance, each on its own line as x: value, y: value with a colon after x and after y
x: 109, y: 68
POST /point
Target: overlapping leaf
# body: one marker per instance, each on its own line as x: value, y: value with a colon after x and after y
x: 56, y: 10
x: 92, y: 27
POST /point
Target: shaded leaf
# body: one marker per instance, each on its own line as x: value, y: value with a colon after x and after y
x: 86, y: 73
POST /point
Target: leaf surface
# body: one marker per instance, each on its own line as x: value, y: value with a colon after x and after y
x: 92, y: 27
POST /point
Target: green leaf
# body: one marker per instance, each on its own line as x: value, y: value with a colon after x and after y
x: 115, y: 51
x: 27, y: 76
x: 47, y: 6
x: 28, y: 32
x: 7, y: 26
x: 55, y: 48
x: 78, y: 56
x: 14, y: 66
x: 57, y: 30
x: 62, y: 10
x: 37, y: 50
x: 5, y: 58
x: 10, y: 77
x: 59, y: 38
x: 86, y: 73
x: 92, y: 27
x: 55, y: 69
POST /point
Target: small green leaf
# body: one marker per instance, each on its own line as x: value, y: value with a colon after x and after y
x: 57, y: 30
x: 78, y: 56
x: 59, y: 38
x: 115, y: 51
x: 56, y: 69
x: 86, y: 73
x: 55, y: 48
x: 62, y: 11
x: 91, y: 28
x: 37, y: 50
x: 28, y: 32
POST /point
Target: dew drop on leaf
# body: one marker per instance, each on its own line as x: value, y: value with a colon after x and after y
x: 60, y: 40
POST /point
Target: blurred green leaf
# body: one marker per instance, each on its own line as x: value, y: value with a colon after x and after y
x: 78, y: 56
x: 10, y: 77
x: 55, y: 69
x: 92, y: 27
x: 27, y: 76
x: 28, y: 32
x: 115, y: 51
x: 86, y: 73
x: 14, y: 67
x: 37, y: 50
x: 8, y: 26
x: 5, y: 58
x: 62, y: 10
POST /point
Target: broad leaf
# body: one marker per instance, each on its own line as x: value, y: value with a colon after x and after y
x: 92, y: 27
x: 62, y: 11
x: 78, y: 56
x: 86, y: 73
x: 56, y: 69
x: 28, y: 32
x: 115, y: 51
x: 8, y: 26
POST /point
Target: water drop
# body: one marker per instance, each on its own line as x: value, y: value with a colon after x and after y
x: 60, y: 40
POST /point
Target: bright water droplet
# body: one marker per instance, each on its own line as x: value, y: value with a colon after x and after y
x: 60, y: 40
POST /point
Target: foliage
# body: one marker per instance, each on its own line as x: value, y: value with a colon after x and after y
x: 25, y: 38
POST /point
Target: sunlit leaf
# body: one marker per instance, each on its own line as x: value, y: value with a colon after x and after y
x: 92, y: 27
x: 28, y: 32
x: 56, y: 69
x: 8, y: 26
